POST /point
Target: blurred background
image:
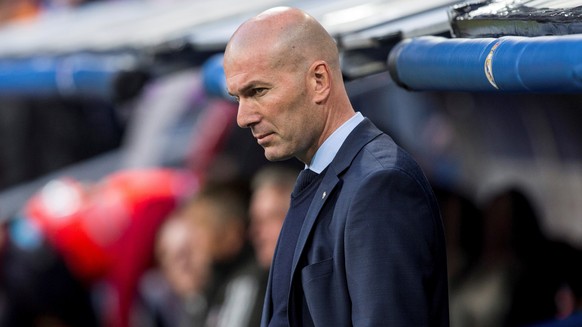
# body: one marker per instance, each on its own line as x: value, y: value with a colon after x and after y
x: 129, y: 197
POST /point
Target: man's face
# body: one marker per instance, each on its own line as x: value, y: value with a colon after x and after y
x: 274, y: 102
x: 184, y: 256
x: 269, y: 206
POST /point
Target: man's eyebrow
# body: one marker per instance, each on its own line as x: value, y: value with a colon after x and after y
x: 249, y: 86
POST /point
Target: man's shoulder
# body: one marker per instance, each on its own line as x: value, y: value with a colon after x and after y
x: 368, y: 149
x: 383, y: 158
x: 383, y: 153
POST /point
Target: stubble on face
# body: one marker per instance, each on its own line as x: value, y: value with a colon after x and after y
x: 283, y: 118
x: 291, y: 121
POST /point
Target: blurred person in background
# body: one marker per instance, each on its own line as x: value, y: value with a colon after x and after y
x: 538, y: 262
x: 218, y: 214
x: 463, y: 223
x: 569, y: 296
x: 39, y: 287
x: 172, y: 293
x: 518, y: 273
x: 271, y: 192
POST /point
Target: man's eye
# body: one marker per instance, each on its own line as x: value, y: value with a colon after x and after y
x: 259, y: 91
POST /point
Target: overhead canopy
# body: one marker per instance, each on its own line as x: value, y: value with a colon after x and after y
x: 116, y: 26
x: 86, y: 52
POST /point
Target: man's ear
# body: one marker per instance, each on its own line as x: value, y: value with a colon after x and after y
x: 320, y: 81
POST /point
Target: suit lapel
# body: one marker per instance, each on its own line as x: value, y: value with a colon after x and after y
x: 360, y: 136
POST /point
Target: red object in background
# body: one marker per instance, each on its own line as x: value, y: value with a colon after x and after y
x: 106, y: 231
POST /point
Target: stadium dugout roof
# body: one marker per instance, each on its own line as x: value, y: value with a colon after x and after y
x: 517, y: 18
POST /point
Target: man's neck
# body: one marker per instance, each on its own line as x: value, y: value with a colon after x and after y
x: 329, y: 148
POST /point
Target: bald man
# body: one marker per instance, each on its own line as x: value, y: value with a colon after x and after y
x: 362, y: 243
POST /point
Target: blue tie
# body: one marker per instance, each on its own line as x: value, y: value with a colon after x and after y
x: 306, y: 176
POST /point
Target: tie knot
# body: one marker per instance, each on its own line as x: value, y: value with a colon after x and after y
x: 306, y: 176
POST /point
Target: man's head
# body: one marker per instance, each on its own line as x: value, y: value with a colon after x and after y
x: 220, y: 211
x: 272, y: 187
x: 183, y: 253
x: 283, y: 68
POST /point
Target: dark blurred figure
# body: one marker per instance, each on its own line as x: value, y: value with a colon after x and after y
x: 271, y: 194
x: 39, y: 287
x: 569, y: 296
x: 463, y: 224
x: 517, y: 274
x: 3, y: 236
x: 537, y: 261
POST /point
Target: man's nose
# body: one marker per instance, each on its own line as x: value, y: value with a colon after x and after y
x: 246, y: 115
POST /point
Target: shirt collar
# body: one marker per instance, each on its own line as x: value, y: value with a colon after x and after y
x: 332, y: 144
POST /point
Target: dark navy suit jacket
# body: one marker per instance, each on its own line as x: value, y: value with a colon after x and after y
x: 371, y: 251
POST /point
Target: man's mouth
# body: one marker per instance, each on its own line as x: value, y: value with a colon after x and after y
x: 262, y: 138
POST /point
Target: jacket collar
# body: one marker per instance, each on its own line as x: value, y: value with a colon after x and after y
x: 365, y: 132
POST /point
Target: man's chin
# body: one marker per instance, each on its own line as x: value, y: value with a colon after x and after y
x: 274, y: 156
